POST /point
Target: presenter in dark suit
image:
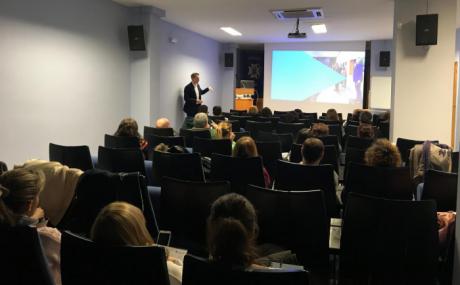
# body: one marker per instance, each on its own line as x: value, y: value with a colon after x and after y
x: 192, y: 98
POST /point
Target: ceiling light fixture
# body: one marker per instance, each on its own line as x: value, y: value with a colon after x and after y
x: 231, y: 31
x: 319, y: 29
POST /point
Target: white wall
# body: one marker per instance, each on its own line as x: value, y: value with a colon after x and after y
x: 64, y: 74
x: 191, y: 53
x: 380, y: 85
x: 423, y: 78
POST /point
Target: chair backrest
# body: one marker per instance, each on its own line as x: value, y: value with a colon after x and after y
x: 351, y: 130
x: 208, y: 146
x: 96, y: 189
x: 121, y: 160
x: 359, y: 143
x: 455, y: 156
x: 355, y: 155
x: 296, y: 153
x: 120, y: 142
x: 336, y: 130
x: 270, y: 153
x: 385, y: 182
x: 254, y: 127
x: 185, y: 206
x: 441, y: 187
x: 86, y: 262
x: 289, y: 128
x: 286, y: 140
x: 404, y: 146
x: 155, y: 140
x: 239, y: 171
x: 295, y: 177
x: 388, y: 242
x: 296, y: 220
x: 3, y: 167
x: 22, y: 257
x: 239, y: 112
x: 327, y: 122
x: 190, y: 134
x: 216, y: 119
x: 384, y: 128
x: 330, y: 155
x: 199, y: 271
x: 186, y: 166
x: 72, y: 156
x: 242, y: 119
x: 330, y: 140
x: 239, y: 135
x: 236, y: 125
x: 162, y: 132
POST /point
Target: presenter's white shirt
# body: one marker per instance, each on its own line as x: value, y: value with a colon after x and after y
x: 196, y: 91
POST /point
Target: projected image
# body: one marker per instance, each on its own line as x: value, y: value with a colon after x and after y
x: 318, y: 76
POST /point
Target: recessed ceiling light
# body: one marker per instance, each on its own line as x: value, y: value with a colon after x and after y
x: 319, y: 29
x: 231, y: 31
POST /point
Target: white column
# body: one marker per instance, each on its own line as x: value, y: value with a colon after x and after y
x: 423, y: 76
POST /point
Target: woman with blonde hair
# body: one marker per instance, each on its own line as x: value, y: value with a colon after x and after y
x: 383, y: 153
x: 224, y: 131
x: 122, y: 224
x: 246, y: 147
x: 19, y: 206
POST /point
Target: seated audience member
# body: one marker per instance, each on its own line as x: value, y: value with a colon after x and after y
x: 366, y: 131
x: 122, y: 224
x: 319, y: 130
x: 253, y: 111
x: 385, y: 116
x: 224, y: 131
x: 162, y: 123
x: 331, y: 115
x: 365, y: 117
x: 266, y: 112
x: 170, y: 149
x: 19, y: 206
x: 203, y: 109
x: 217, y: 111
x: 232, y: 232
x: 128, y: 128
x: 245, y: 147
x: 200, y: 121
x: 356, y: 114
x: 302, y: 135
x: 383, y: 153
x: 299, y: 113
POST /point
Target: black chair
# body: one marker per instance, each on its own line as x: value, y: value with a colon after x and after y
x: 208, y: 146
x: 239, y: 112
x: 239, y: 171
x: 254, y: 127
x: 270, y: 153
x: 295, y: 177
x: 22, y: 257
x: 336, y: 130
x: 359, y: 143
x: 330, y: 140
x: 72, y: 156
x: 121, y: 160
x: 355, y: 155
x: 185, y: 206
x: 273, y: 120
x: 388, y: 242
x: 279, y: 113
x: 327, y: 122
x: 330, y: 155
x: 190, y: 134
x: 289, y: 128
x: 384, y: 128
x: 216, y: 119
x: 98, y: 188
x: 286, y: 140
x: 239, y: 135
x: 404, y: 146
x: 199, y: 271
x: 186, y: 166
x: 120, y: 142
x: 351, y: 130
x: 296, y: 153
x: 162, y: 132
x: 441, y: 187
x: 236, y: 125
x: 311, y: 116
x: 3, y: 167
x: 383, y: 182
x: 455, y: 157
x: 296, y: 220
x: 155, y: 140
x: 86, y: 262
x: 241, y: 118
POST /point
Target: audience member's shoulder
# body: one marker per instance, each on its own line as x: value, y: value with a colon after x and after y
x: 49, y: 233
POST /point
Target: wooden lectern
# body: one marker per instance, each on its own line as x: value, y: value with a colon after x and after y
x: 243, y: 98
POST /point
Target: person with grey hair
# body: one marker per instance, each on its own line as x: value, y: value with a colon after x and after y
x: 200, y: 121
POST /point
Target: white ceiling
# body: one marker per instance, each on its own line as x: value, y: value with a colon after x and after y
x: 345, y: 19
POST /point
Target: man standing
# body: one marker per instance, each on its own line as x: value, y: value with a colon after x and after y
x: 192, y: 98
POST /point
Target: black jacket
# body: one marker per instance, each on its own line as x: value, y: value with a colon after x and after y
x: 190, y: 106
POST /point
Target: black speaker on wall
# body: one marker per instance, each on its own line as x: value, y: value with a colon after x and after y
x: 228, y: 60
x: 384, y: 59
x: 426, y: 30
x: 136, y: 38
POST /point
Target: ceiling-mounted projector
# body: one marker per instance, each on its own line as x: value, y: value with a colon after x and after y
x: 297, y: 34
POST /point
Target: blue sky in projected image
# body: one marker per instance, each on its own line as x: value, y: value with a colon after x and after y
x: 298, y: 75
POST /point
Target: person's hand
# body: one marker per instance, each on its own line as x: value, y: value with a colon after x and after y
x: 210, y: 88
x: 38, y: 214
x: 198, y: 101
x: 213, y: 125
x: 143, y: 144
x: 232, y: 136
